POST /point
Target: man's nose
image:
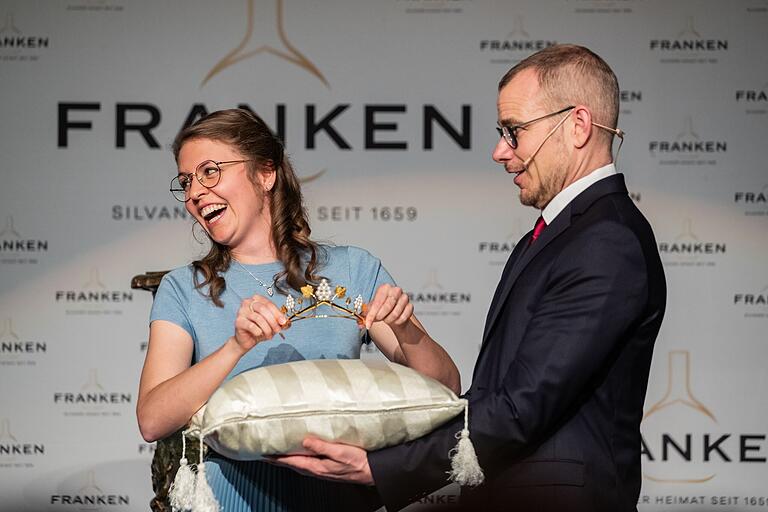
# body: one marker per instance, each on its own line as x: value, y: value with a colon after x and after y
x: 502, y: 152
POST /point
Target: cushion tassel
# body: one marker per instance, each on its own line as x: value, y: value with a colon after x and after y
x: 183, y: 486
x: 465, y: 469
x: 204, y: 500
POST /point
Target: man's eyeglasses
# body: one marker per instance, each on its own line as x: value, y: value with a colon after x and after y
x: 208, y: 173
x: 510, y: 132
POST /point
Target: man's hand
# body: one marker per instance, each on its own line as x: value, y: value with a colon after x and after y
x: 332, y: 461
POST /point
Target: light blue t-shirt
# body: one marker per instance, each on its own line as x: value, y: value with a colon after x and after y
x: 244, y: 486
x: 178, y: 301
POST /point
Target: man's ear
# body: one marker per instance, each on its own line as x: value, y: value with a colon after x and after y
x: 582, y: 126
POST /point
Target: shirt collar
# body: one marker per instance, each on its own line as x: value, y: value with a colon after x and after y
x: 569, y: 193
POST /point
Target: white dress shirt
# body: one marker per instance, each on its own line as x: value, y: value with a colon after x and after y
x: 561, y: 200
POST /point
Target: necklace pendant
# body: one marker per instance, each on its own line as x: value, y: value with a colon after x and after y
x: 269, y: 289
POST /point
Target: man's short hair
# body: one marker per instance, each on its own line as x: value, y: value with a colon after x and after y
x: 573, y: 75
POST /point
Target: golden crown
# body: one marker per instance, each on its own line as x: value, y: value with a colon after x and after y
x: 340, y: 305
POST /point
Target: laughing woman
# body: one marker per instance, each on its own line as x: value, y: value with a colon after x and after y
x: 220, y: 315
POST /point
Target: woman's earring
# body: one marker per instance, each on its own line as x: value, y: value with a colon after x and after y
x: 203, y: 235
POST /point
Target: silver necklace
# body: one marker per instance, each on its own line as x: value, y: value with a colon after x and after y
x: 269, y: 289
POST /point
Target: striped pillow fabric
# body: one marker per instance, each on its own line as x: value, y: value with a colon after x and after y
x: 370, y: 404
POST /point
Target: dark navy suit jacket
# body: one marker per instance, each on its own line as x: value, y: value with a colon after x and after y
x: 557, y: 394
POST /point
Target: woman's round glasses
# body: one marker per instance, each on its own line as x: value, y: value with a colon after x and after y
x: 208, y: 173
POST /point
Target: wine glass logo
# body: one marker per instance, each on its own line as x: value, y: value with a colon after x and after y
x: 94, y: 281
x: 518, y: 29
x: 9, y: 26
x: 9, y: 230
x: 5, y: 432
x: 265, y: 33
x: 93, y: 383
x: 8, y: 337
x: 688, y: 131
x: 689, y: 30
x: 677, y: 409
x: 8, y: 333
x: 432, y: 281
x: 90, y: 487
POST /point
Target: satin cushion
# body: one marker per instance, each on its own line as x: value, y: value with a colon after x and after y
x: 371, y: 404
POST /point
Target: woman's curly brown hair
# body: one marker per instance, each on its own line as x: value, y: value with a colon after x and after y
x: 251, y: 136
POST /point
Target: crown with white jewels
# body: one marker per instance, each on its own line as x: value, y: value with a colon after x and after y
x: 336, y: 300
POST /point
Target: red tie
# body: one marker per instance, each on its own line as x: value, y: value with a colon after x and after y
x: 538, y: 228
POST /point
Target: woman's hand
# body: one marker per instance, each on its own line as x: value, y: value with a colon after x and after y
x: 390, y: 305
x: 402, y: 339
x: 258, y: 319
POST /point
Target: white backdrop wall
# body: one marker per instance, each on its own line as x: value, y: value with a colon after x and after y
x: 93, y: 92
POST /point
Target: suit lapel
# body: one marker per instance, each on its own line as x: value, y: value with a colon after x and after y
x: 517, y: 253
x: 551, y: 232
x: 611, y: 184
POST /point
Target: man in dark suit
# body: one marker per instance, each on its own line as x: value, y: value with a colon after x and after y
x: 557, y: 394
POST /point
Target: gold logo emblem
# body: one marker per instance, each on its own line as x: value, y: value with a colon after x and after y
x: 688, y: 131
x: 93, y: 383
x: 432, y: 281
x: 94, y: 281
x: 679, y: 386
x: 5, y: 431
x: 689, y: 30
x: 679, y: 394
x: 9, y: 229
x: 90, y: 487
x: 687, y: 231
x: 270, y: 37
x: 518, y: 30
x: 9, y: 25
x: 7, y: 332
